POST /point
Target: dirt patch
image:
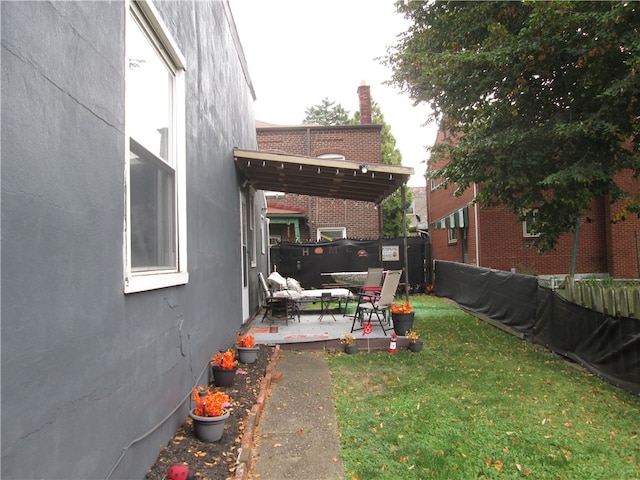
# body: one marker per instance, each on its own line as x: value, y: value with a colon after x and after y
x: 217, y: 460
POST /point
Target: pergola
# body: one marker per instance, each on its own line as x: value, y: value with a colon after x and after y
x: 324, y: 177
x: 320, y: 177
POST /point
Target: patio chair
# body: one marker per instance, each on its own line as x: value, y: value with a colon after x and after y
x: 377, y: 305
x: 278, y: 305
x: 373, y: 281
x: 371, y: 286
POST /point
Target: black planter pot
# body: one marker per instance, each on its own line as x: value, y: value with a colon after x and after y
x: 402, y: 322
x: 351, y: 349
x: 223, y: 377
x: 416, y: 346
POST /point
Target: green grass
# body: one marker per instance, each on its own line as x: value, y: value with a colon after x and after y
x: 477, y: 402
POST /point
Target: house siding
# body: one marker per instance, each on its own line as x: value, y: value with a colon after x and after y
x: 358, y: 143
x: 89, y: 373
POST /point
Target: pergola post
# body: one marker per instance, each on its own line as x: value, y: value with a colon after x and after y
x: 404, y: 236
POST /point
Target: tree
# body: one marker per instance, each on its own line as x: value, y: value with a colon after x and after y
x: 327, y: 114
x: 392, y: 211
x: 542, y: 99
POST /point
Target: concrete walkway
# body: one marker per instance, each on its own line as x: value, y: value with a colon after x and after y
x: 297, y: 435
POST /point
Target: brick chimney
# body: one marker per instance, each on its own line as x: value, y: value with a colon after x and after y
x: 364, y: 94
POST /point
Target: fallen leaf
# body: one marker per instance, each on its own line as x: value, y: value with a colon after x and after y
x: 200, y: 453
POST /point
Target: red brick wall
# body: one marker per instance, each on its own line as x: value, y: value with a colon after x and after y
x: 358, y: 143
x: 603, y: 247
x: 622, y: 251
x: 503, y: 245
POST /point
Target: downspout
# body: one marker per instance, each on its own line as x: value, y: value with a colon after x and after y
x: 574, y: 250
x: 310, y: 212
x: 477, y: 229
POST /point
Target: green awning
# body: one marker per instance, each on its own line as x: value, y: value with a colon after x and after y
x: 456, y: 219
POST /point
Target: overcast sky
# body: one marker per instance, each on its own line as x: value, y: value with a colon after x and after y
x: 300, y: 52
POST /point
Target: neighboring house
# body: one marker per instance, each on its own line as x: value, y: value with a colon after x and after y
x: 417, y: 210
x: 295, y: 217
x: 493, y: 237
x: 130, y: 247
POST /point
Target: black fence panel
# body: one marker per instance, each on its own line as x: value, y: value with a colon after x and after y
x: 306, y: 261
x: 607, y: 346
x: 503, y: 296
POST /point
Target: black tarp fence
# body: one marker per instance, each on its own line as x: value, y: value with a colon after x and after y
x: 607, y: 346
x: 306, y: 261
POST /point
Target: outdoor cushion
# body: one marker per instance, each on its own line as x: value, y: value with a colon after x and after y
x: 293, y: 284
x: 278, y: 281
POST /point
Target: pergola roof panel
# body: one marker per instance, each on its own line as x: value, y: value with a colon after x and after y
x: 320, y: 177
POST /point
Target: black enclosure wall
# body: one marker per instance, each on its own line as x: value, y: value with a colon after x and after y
x: 607, y: 346
x: 306, y: 261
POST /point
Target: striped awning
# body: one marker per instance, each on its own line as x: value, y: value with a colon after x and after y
x: 456, y: 219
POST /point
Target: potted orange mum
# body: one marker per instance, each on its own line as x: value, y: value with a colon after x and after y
x: 402, y: 316
x: 210, y: 413
x: 223, y: 368
x: 247, y: 349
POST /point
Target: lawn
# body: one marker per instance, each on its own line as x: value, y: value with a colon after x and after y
x: 477, y: 402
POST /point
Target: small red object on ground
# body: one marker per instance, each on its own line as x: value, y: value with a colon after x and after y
x: 179, y: 471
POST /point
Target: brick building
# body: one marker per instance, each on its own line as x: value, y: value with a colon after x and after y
x: 295, y: 217
x: 493, y: 237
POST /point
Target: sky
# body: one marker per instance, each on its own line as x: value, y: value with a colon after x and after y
x: 302, y: 51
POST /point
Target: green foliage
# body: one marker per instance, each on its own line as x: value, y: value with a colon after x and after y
x: 540, y: 97
x: 392, y: 211
x: 478, y: 403
x: 327, y: 114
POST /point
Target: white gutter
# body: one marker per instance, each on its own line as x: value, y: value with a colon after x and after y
x: 475, y: 212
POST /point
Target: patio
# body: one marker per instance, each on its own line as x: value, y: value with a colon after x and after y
x: 315, y: 333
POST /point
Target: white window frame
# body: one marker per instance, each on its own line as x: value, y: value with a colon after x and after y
x: 411, y: 208
x: 341, y: 230
x: 452, y: 235
x: 529, y: 219
x: 138, y: 281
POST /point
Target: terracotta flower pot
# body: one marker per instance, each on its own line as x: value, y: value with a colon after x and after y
x: 209, y: 429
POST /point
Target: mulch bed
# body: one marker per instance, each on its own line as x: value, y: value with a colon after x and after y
x: 216, y: 460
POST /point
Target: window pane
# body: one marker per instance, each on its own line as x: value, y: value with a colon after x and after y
x: 149, y: 86
x: 153, y: 225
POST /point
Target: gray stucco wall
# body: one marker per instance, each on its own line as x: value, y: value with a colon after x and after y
x: 86, y: 369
